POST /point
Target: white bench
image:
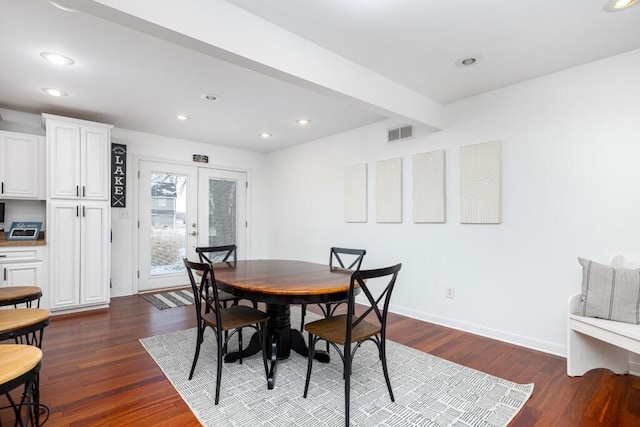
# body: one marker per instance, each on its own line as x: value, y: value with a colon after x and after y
x: 598, y: 343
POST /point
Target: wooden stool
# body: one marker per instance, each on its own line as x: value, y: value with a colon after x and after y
x: 14, y: 295
x: 25, y: 325
x: 19, y: 365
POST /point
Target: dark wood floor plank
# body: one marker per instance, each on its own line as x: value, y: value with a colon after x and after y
x: 96, y: 373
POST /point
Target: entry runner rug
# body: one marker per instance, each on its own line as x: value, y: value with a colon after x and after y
x: 177, y: 298
x: 429, y: 391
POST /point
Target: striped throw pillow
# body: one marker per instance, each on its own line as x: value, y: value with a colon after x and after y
x: 610, y: 293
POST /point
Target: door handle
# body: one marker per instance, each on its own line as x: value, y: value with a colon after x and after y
x: 194, y: 233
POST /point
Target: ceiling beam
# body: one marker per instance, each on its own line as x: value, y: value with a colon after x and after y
x: 227, y: 32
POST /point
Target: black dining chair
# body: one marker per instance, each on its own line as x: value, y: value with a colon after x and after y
x: 228, y: 254
x: 213, y: 254
x: 352, y: 261
x: 220, y: 319
x: 369, y: 324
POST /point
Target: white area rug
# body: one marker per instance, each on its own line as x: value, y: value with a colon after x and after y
x: 429, y: 391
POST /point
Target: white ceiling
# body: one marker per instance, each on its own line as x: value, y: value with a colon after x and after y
x: 136, y: 73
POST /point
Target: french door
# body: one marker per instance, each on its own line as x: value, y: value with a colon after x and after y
x: 222, y: 220
x: 182, y: 207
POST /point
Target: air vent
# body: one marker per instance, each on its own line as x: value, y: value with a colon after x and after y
x: 400, y: 133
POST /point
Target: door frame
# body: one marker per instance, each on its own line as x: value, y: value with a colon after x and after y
x: 136, y: 212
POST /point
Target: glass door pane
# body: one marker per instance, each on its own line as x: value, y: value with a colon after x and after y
x: 168, y: 239
x: 224, y: 220
x: 167, y: 229
x: 222, y: 212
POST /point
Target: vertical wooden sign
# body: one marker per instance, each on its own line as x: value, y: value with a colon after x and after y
x: 118, y: 175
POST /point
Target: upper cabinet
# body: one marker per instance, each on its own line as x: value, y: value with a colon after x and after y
x: 78, y: 158
x: 21, y: 166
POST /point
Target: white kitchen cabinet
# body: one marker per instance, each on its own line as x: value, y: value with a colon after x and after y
x: 79, y: 254
x: 77, y: 158
x: 22, y: 274
x: 22, y: 173
x: 22, y: 266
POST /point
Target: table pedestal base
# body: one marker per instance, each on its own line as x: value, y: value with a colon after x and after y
x: 282, y: 339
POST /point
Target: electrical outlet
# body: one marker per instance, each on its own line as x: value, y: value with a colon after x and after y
x: 450, y: 293
x: 124, y: 214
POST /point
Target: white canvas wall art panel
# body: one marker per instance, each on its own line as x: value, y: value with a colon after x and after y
x: 428, y: 187
x: 389, y: 191
x: 355, y: 193
x: 480, y: 192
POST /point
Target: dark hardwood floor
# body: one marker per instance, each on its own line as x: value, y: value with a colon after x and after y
x: 95, y: 372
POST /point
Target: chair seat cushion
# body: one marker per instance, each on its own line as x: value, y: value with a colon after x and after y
x: 17, y: 359
x: 18, y: 318
x: 236, y: 317
x: 334, y: 329
x: 10, y: 294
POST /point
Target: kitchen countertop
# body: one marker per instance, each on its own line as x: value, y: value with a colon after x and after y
x: 42, y: 241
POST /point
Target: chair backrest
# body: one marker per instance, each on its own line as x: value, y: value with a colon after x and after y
x: 200, y: 290
x: 353, y: 255
x: 359, y: 280
x: 213, y: 254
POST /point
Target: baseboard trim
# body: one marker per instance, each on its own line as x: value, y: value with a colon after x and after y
x: 507, y: 337
x: 61, y: 311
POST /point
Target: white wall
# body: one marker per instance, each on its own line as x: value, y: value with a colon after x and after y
x: 571, y: 187
x: 181, y: 151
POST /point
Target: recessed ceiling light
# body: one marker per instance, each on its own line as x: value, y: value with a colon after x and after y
x: 182, y: 117
x: 468, y: 61
x: 57, y: 59
x: 54, y: 92
x: 303, y: 122
x: 265, y: 135
x: 210, y: 97
x: 618, y: 5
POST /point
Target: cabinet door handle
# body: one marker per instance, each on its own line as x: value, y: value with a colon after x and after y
x: 77, y: 191
x: 77, y: 210
x: 84, y: 192
x: 2, y: 188
x: 83, y: 212
x: 3, y: 256
x: 5, y: 274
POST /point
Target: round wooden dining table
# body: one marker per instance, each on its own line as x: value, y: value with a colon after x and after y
x: 280, y: 283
